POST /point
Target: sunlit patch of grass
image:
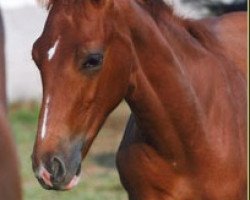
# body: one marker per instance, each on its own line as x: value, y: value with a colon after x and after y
x: 100, y: 179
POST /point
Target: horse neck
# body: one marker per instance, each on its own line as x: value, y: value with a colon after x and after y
x: 161, y: 96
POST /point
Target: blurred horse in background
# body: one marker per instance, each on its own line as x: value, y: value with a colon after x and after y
x: 184, y: 80
x: 10, y: 186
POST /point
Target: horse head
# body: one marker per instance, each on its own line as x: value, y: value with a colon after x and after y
x: 85, y: 65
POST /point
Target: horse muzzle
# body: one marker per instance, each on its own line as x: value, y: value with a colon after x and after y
x: 56, y: 180
x: 59, y: 171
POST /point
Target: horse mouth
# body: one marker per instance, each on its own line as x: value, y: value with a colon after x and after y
x: 47, y: 182
x: 73, y: 183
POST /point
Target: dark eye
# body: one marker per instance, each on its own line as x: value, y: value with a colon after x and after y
x: 93, y: 61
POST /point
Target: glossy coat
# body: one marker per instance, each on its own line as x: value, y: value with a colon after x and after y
x: 184, y: 80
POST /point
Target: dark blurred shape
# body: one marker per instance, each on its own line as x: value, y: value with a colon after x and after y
x: 218, y: 7
x: 106, y: 160
x: 10, y: 186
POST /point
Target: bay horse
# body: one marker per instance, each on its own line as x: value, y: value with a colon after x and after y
x: 10, y: 186
x: 184, y: 81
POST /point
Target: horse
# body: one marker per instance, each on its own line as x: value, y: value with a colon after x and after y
x: 10, y: 186
x: 184, y: 81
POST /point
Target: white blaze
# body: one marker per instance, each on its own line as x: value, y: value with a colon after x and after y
x: 52, y: 50
x: 45, y: 118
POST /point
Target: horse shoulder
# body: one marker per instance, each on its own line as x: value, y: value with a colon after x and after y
x: 144, y: 173
x: 231, y: 31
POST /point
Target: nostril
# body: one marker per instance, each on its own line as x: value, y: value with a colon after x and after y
x: 58, y: 170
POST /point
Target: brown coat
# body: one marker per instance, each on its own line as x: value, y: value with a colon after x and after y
x: 10, y: 185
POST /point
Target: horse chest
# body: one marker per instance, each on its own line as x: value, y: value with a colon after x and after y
x: 146, y: 175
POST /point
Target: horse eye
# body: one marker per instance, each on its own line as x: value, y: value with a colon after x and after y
x: 93, y: 61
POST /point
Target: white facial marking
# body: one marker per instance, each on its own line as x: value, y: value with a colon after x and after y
x: 52, y: 50
x: 45, y: 118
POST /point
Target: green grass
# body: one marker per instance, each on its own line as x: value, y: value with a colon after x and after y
x: 100, y: 180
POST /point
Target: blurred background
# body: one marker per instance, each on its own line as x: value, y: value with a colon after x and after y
x: 24, y: 20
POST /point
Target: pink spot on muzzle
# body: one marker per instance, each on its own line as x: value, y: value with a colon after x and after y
x: 72, y: 183
x: 45, y: 176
